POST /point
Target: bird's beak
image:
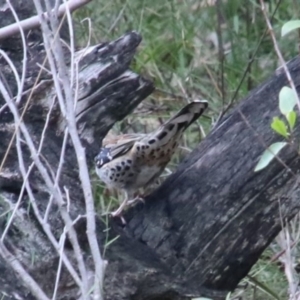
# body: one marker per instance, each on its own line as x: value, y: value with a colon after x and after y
x: 98, y: 161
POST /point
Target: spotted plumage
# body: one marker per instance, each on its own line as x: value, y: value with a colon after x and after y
x: 133, y: 161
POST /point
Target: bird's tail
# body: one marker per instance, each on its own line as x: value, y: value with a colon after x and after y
x: 181, y: 121
x: 187, y: 115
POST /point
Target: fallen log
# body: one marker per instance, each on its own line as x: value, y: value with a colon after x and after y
x: 214, y: 216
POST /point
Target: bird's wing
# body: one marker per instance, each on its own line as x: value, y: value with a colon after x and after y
x: 120, y: 139
x: 121, y: 144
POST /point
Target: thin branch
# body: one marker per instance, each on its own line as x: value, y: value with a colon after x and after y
x: 66, y: 217
x: 278, y: 52
x: 34, y: 22
x: 61, y: 255
x: 59, y: 268
x: 24, y: 61
x: 43, y: 172
x: 58, y: 173
x: 44, y: 225
x: 20, y: 84
x: 68, y: 103
x: 29, y: 282
x: 220, y: 48
x: 26, y: 176
x: 248, y: 67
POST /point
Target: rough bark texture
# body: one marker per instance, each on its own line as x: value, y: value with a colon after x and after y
x: 196, y: 235
x: 212, y: 219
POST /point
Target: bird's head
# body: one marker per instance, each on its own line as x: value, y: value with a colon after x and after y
x: 103, y: 157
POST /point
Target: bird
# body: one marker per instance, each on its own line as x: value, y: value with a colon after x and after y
x: 129, y: 162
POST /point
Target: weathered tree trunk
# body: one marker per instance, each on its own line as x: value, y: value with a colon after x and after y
x: 197, y: 234
x: 212, y: 219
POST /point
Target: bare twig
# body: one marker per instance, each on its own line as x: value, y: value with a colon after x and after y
x: 44, y: 225
x: 288, y: 260
x: 36, y: 83
x: 61, y: 245
x: 248, y: 67
x: 43, y: 172
x: 284, y: 237
x: 34, y: 22
x: 26, y: 176
x: 117, y: 19
x: 57, y: 195
x: 61, y: 255
x: 278, y: 52
x: 20, y: 84
x: 220, y: 48
x: 58, y: 173
x: 14, y: 263
x: 67, y: 103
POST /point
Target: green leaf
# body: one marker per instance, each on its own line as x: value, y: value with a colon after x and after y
x: 269, y: 155
x: 290, y: 26
x: 287, y: 100
x: 279, y: 127
x: 291, y: 118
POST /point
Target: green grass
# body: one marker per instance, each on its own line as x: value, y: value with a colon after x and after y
x: 180, y: 53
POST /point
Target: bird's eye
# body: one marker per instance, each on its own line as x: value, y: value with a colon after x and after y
x: 103, y: 157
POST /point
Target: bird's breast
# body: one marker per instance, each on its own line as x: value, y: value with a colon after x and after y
x: 124, y: 174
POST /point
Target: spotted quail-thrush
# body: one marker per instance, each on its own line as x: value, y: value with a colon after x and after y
x: 133, y: 161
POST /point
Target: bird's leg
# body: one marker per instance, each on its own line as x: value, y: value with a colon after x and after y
x: 141, y: 196
x: 126, y: 202
x: 138, y: 198
x: 118, y: 212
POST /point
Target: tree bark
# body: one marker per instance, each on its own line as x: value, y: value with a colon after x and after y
x: 198, y: 234
x: 213, y: 218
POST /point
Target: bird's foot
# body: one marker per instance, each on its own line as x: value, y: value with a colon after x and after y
x: 128, y: 203
x: 136, y: 200
x: 118, y: 214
